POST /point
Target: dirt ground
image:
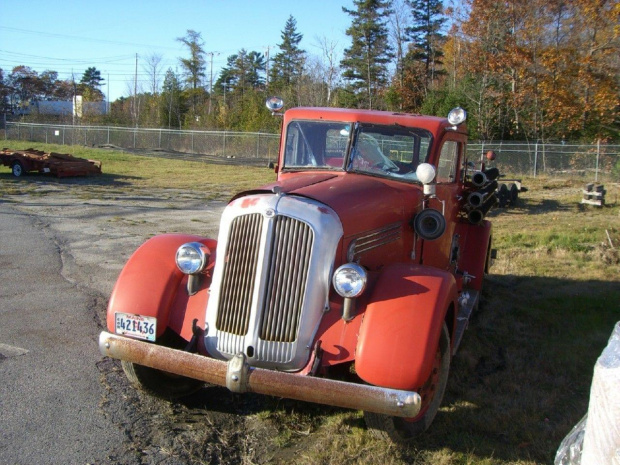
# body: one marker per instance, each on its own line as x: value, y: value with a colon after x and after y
x: 96, y: 233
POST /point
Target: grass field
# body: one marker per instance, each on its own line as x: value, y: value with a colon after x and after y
x: 522, y: 377
x: 126, y: 171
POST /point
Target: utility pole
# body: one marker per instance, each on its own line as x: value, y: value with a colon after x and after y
x: 135, y: 93
x: 74, y: 97
x: 108, y: 105
x: 267, y: 67
x: 211, y: 78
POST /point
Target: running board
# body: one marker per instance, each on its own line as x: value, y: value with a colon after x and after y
x: 466, y: 306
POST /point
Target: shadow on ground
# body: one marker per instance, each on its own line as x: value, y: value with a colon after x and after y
x: 519, y: 383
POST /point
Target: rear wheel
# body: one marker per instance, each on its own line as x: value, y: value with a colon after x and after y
x: 404, y: 430
x: 17, y: 169
x: 160, y: 383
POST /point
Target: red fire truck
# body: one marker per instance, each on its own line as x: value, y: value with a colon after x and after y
x: 348, y: 281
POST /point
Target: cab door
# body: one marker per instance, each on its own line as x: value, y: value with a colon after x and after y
x: 448, y: 190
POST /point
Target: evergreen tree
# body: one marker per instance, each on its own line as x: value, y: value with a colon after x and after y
x: 194, y: 66
x: 239, y: 82
x: 426, y: 37
x: 365, y: 62
x: 89, y: 85
x: 242, y: 71
x: 172, y: 108
x: 227, y: 78
x: 92, y: 78
x: 288, y: 64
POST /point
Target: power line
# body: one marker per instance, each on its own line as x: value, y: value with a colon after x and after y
x: 83, y: 39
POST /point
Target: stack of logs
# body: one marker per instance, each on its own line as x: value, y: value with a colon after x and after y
x: 483, y: 196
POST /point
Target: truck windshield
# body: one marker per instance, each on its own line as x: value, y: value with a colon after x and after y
x: 381, y: 150
x: 392, y: 151
x: 318, y: 144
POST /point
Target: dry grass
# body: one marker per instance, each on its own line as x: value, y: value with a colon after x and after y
x: 124, y: 171
x: 522, y: 377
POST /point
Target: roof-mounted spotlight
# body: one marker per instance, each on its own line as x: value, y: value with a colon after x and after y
x: 457, y: 116
x: 274, y: 104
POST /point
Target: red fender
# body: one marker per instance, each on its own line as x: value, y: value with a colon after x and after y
x: 402, y: 324
x: 475, y: 247
x: 151, y: 284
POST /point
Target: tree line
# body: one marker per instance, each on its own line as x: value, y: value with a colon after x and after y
x: 523, y: 69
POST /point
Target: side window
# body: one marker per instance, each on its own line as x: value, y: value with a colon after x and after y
x: 448, y: 162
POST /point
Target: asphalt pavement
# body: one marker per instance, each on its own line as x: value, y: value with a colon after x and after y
x: 50, y: 380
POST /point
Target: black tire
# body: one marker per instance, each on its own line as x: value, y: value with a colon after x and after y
x: 405, y: 430
x: 160, y: 383
x: 514, y: 194
x: 17, y: 169
x: 503, y: 195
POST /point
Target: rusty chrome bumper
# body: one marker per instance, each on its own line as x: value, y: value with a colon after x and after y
x: 237, y: 376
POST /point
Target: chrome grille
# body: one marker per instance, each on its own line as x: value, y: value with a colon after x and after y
x: 271, y: 281
x: 239, y: 274
x: 289, y: 253
x: 287, y: 277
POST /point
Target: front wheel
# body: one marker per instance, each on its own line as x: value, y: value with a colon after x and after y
x: 404, y: 430
x: 17, y: 169
x: 160, y: 383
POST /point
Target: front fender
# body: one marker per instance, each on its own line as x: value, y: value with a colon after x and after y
x: 151, y: 284
x: 402, y: 324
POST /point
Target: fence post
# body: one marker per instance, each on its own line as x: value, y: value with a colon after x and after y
x: 598, y: 154
x: 257, y: 144
x: 535, y: 157
x: 224, y: 146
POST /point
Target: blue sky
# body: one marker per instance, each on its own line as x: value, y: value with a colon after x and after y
x: 70, y: 36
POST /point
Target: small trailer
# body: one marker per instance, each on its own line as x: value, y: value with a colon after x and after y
x: 57, y: 164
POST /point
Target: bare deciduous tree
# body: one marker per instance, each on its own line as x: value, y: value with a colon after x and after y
x: 153, y: 68
x: 329, y: 66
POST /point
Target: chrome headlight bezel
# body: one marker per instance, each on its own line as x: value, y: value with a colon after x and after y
x: 192, y: 257
x: 350, y: 280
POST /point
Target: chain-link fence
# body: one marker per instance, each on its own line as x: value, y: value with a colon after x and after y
x: 257, y: 146
x: 596, y: 162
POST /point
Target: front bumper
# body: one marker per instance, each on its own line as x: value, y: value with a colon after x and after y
x: 237, y: 376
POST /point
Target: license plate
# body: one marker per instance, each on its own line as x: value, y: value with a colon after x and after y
x: 138, y: 326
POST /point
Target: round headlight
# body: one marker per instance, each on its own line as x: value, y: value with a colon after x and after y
x: 192, y: 257
x: 425, y: 173
x: 350, y: 280
x: 457, y: 116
